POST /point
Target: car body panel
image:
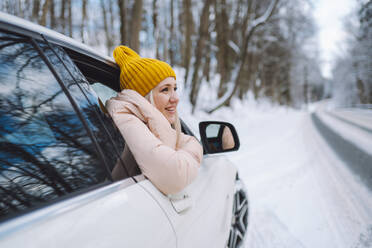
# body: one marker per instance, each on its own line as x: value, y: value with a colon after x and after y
x: 211, y: 194
x: 101, y: 218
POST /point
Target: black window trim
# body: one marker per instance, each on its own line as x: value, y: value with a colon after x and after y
x: 83, y: 60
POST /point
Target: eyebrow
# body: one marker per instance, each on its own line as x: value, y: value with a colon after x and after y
x: 169, y: 85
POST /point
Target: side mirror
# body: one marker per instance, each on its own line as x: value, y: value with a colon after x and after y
x: 217, y: 137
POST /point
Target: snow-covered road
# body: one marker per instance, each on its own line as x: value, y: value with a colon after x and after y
x: 302, y: 194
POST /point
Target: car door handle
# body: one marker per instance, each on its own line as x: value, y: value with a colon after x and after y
x: 181, y: 202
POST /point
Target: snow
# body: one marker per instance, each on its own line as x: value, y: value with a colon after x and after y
x: 349, y: 131
x: 301, y: 194
x: 234, y: 47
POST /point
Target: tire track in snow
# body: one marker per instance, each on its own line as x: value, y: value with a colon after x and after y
x: 357, y: 160
x: 369, y: 130
x: 344, y: 205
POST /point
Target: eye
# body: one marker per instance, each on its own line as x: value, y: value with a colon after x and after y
x: 165, y: 89
x: 175, y: 88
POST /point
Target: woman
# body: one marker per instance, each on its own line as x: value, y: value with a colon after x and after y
x: 145, y: 111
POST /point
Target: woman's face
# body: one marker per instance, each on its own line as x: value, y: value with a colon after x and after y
x: 166, y: 98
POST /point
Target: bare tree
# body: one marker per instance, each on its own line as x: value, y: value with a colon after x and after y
x: 188, y: 20
x: 44, y: 13
x: 172, y: 37
x: 239, y: 68
x: 136, y: 25
x: 156, y: 28
x: 20, y: 8
x: 35, y: 10
x: 69, y: 18
x: 62, y: 16
x: 107, y: 27
x: 52, y: 14
x: 203, y: 34
x: 83, y: 18
x: 222, y: 30
x: 123, y: 21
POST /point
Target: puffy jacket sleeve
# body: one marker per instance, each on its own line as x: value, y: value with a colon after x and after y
x: 168, y: 169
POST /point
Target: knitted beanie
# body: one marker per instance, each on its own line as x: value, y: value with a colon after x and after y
x: 140, y: 74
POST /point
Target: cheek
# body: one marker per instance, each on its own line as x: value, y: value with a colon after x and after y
x: 161, y: 101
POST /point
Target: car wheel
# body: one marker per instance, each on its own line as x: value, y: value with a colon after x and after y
x: 239, y: 222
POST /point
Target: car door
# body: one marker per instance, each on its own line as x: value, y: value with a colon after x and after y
x: 201, y: 214
x: 55, y: 161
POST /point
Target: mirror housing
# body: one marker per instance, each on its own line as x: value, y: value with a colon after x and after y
x: 218, y: 137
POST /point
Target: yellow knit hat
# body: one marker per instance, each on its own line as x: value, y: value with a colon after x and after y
x: 140, y: 74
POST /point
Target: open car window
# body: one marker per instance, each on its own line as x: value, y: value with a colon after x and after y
x: 104, y: 92
x: 97, y: 88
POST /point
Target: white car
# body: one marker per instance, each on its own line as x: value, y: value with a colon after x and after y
x: 58, y: 147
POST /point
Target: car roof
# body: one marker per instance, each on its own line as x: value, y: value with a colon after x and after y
x: 23, y: 27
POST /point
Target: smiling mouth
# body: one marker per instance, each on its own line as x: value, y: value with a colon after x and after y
x: 171, y: 110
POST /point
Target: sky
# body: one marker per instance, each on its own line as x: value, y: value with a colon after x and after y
x: 329, y: 15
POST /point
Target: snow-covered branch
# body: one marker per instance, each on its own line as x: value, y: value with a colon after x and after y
x: 262, y: 19
x: 234, y: 47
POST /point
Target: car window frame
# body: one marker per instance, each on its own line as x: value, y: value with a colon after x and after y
x: 90, y: 62
x: 74, y: 105
x: 34, y: 43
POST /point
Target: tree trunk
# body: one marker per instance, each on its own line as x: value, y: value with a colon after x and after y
x: 62, y: 17
x: 361, y: 90
x: 44, y: 13
x: 19, y: 9
x: 52, y: 14
x: 136, y: 25
x: 26, y: 7
x: 306, y: 86
x: 69, y: 18
x: 207, y: 63
x: 155, y: 30
x: 35, y: 10
x: 203, y: 33
x: 112, y: 19
x: 83, y: 19
x: 172, y: 35
x: 165, y: 41
x: 222, y: 28
x: 244, y: 84
x: 188, y: 33
x: 109, y: 42
x: 123, y: 16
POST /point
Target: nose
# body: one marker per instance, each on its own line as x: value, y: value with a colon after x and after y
x: 174, y: 97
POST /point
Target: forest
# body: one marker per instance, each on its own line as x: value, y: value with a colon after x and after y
x: 256, y: 49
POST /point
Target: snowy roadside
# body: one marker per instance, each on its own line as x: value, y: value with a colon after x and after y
x: 301, y: 194
x: 350, y: 130
x: 362, y: 117
x: 350, y: 142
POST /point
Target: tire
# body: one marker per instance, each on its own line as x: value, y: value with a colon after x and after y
x: 239, y: 220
